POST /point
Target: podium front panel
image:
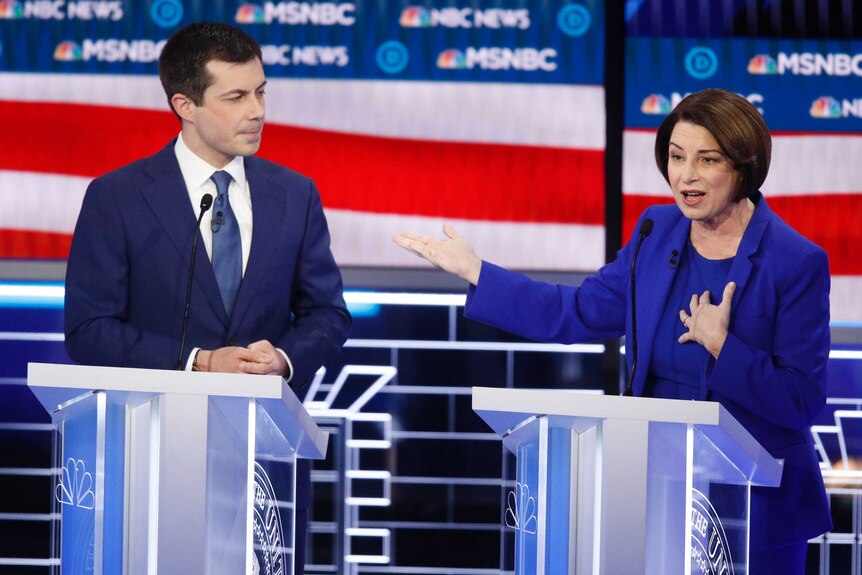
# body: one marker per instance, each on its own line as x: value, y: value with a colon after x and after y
x: 667, y: 496
x: 719, y: 503
x: 522, y: 508
x: 273, y: 501
x: 700, y: 500
x: 89, y: 494
x: 227, y: 457
x: 550, y: 505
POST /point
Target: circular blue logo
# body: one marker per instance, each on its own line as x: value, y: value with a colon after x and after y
x: 166, y: 13
x: 574, y: 20
x: 268, y: 533
x: 392, y: 57
x: 701, y: 63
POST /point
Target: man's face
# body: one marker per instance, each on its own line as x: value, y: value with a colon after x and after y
x: 229, y: 122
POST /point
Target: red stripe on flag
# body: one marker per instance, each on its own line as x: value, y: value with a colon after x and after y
x: 79, y: 140
x: 829, y: 220
x: 21, y: 244
x: 361, y: 173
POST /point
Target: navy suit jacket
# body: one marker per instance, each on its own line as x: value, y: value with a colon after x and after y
x: 770, y: 374
x: 129, y: 264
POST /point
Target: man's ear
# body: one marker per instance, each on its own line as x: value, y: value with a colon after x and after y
x: 183, y: 106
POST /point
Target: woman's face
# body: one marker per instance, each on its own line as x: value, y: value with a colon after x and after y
x: 703, y: 179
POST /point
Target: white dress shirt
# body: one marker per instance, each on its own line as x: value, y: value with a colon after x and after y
x: 196, y: 173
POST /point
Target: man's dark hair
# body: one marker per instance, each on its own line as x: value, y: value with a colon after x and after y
x: 182, y: 64
x: 738, y: 129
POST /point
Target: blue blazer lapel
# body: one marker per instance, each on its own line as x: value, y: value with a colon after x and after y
x: 655, y: 276
x: 267, y: 206
x: 740, y: 271
x: 168, y: 199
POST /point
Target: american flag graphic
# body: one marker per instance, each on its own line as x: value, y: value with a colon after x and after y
x: 517, y: 168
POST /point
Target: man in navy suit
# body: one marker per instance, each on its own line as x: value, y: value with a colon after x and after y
x: 129, y: 262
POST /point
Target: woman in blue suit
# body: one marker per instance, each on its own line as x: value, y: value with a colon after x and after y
x: 733, y: 306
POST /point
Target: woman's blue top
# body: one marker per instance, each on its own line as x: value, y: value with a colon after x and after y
x: 677, y: 370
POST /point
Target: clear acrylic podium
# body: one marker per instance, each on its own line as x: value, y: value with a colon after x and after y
x: 174, y: 472
x: 626, y: 485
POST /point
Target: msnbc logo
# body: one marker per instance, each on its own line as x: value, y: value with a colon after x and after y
x: 656, y: 104
x: 249, y: 14
x: 415, y: 17
x: 825, y: 107
x: 807, y: 64
x: 762, y: 64
x: 451, y: 60
x: 297, y: 13
x: 496, y: 58
x: 10, y: 9
x: 68, y: 52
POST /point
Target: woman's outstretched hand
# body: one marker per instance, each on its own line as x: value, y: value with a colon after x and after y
x: 454, y: 255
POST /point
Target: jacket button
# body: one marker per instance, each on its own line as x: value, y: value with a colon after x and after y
x: 231, y: 342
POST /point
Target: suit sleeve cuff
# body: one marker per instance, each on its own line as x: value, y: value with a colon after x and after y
x: 191, y: 358
x: 289, y: 375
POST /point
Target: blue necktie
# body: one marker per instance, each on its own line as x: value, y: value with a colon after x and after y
x: 227, y: 246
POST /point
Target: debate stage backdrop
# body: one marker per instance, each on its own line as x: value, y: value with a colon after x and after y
x: 487, y: 113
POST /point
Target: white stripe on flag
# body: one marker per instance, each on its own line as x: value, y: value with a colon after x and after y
x: 801, y: 165
x: 42, y: 202
x: 366, y: 239
x: 518, y: 114
x: 844, y: 301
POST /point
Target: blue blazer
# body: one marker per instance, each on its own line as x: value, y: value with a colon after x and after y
x: 771, y: 373
x: 129, y: 263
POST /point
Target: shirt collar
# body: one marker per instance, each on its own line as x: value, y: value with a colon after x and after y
x: 196, y: 171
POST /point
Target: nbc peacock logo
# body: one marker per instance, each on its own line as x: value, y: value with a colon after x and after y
x: 451, y: 60
x: 415, y: 17
x: 75, y: 487
x: 825, y: 107
x: 10, y: 10
x: 249, y: 14
x: 656, y: 104
x: 762, y: 64
x: 68, y: 52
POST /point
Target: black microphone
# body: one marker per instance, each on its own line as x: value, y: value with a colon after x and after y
x: 646, y: 229
x: 206, y: 204
x: 673, y: 262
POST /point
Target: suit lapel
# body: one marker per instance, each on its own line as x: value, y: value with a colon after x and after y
x: 168, y: 199
x: 267, y: 206
x: 740, y: 271
x: 655, y: 277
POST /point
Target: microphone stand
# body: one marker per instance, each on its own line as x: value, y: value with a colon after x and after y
x: 646, y: 229
x: 206, y: 204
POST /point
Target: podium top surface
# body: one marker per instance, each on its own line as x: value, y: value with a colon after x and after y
x: 508, y: 407
x: 79, y: 378
x: 54, y: 385
x: 505, y: 410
